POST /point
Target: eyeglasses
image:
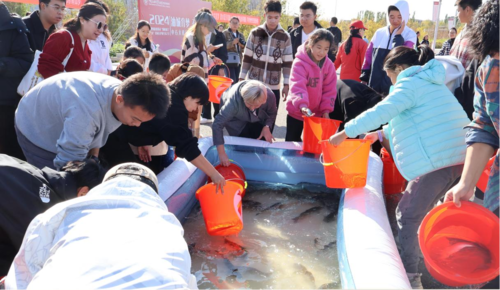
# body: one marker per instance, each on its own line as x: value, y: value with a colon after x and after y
x: 58, y: 8
x: 100, y: 25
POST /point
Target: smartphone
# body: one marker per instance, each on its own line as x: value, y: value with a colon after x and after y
x: 219, y: 45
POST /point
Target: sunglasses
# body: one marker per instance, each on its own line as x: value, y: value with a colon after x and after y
x: 100, y: 25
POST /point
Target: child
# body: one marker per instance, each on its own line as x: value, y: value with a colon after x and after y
x: 425, y: 135
x: 313, y: 83
x: 483, y: 131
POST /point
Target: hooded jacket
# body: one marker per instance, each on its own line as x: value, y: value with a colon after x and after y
x: 15, y: 56
x: 426, y: 122
x: 311, y: 86
x: 266, y: 55
x: 296, y: 37
x: 383, y: 41
x: 28, y: 191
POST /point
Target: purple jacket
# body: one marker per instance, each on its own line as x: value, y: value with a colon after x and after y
x: 311, y: 86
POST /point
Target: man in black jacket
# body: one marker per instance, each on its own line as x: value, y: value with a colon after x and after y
x: 216, y: 38
x: 27, y: 191
x: 337, y: 37
x: 41, y: 23
x: 15, y: 60
x: 307, y: 26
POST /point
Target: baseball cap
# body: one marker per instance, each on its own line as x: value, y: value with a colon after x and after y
x: 357, y: 24
x: 136, y: 171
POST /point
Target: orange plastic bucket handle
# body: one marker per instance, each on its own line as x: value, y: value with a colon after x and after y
x: 335, y: 162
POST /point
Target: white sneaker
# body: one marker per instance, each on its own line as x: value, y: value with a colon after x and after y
x: 415, y: 280
x: 204, y: 121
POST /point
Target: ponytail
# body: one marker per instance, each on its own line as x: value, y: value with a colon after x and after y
x: 405, y: 56
x: 348, y: 45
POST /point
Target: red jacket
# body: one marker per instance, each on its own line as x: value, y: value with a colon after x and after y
x: 55, y: 51
x: 352, y: 62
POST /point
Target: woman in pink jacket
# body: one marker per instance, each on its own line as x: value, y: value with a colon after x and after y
x: 313, y: 83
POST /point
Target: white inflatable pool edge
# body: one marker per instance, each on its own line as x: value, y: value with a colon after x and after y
x: 368, y: 255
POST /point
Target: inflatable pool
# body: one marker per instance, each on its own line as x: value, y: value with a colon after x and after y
x: 368, y: 256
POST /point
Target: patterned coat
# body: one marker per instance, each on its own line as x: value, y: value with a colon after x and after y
x: 484, y: 127
x: 266, y: 55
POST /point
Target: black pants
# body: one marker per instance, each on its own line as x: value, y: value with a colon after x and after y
x: 117, y: 150
x: 234, y: 72
x: 294, y: 129
x: 7, y: 253
x: 207, y: 110
x: 252, y: 130
x: 8, y: 137
x: 277, y: 95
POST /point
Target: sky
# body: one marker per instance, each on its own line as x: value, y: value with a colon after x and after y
x: 348, y: 9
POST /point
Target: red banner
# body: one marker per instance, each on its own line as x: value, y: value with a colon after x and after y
x: 169, y: 20
x: 74, y: 4
x: 244, y: 19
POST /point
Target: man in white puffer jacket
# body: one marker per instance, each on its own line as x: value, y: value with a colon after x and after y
x: 120, y: 235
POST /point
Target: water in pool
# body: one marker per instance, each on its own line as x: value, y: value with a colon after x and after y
x: 288, y: 241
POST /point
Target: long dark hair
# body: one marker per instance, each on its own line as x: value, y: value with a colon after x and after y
x: 348, y: 45
x: 140, y: 25
x: 483, y: 34
x: 87, y: 11
x: 405, y: 56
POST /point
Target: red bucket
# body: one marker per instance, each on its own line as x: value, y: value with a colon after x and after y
x: 317, y: 129
x: 216, y: 86
x: 232, y: 173
x: 460, y: 245
x: 485, y: 176
x: 394, y: 182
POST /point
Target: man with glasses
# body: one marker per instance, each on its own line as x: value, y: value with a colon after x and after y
x: 235, y: 42
x: 41, y: 23
x: 308, y: 25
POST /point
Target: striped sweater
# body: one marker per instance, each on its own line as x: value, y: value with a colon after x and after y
x: 266, y: 55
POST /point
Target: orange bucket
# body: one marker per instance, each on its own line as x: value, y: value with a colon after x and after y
x: 232, y: 173
x: 222, y: 212
x: 460, y: 245
x: 317, y: 129
x: 394, y: 182
x: 485, y: 176
x: 216, y: 86
x: 346, y: 165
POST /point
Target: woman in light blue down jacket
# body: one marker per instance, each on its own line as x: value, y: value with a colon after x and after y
x: 425, y: 135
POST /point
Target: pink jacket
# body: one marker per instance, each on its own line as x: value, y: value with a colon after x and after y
x: 311, y: 86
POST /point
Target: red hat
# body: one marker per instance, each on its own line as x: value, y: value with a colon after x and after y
x: 357, y: 24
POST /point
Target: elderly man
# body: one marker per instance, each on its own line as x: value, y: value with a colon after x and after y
x: 120, y: 235
x: 248, y: 109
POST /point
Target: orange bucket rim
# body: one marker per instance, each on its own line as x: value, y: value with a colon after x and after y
x: 442, y: 271
x: 213, y: 184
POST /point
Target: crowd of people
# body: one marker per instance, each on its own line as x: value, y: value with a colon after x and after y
x: 58, y: 140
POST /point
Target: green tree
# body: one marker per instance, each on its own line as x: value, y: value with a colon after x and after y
x: 18, y: 8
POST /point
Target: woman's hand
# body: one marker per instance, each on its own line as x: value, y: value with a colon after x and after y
x: 326, y: 116
x: 211, y: 48
x: 217, y: 61
x: 338, y: 138
x: 266, y: 133
x: 372, y: 137
x: 145, y: 52
x: 401, y: 28
x: 459, y: 192
x: 144, y: 154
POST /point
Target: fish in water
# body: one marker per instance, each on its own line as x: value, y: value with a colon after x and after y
x: 320, y: 245
x: 271, y: 207
x: 301, y: 269
x: 330, y: 217
x: 307, y: 213
x: 251, y: 205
